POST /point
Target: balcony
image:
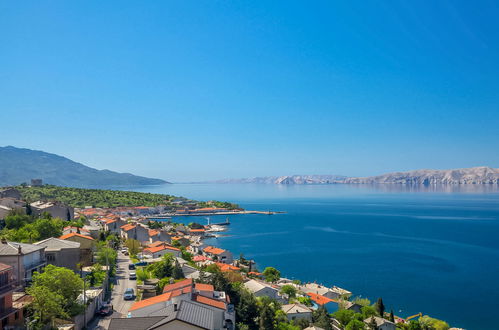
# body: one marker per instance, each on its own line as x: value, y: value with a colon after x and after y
x: 5, y: 312
x: 35, y: 264
x: 6, y: 288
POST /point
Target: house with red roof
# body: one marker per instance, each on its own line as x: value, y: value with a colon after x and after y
x: 113, y: 225
x: 87, y: 246
x: 156, y: 235
x: 218, y: 254
x: 199, y: 294
x: 161, y: 250
x: 70, y: 229
x: 135, y: 231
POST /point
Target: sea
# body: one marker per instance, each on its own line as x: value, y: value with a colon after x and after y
x: 433, y: 250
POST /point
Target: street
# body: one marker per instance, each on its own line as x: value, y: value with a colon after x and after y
x: 120, y: 305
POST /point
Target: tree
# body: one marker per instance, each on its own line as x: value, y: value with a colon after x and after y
x: 392, y: 318
x: 47, y: 305
x: 368, y: 311
x: 247, y: 308
x: 133, y: 246
x: 267, y: 308
x: 361, y: 301
x: 271, y: 274
x: 380, y: 307
x: 355, y: 325
x: 344, y: 316
x: 321, y: 318
x: 107, y: 256
x: 177, y: 271
x: 62, y: 282
x: 289, y: 290
x: 163, y: 268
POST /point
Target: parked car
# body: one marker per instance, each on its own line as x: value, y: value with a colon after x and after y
x: 141, y: 263
x: 105, y: 310
x: 133, y: 276
x: 131, y: 266
x: 129, y: 294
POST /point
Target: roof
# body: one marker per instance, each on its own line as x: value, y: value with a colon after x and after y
x: 160, y: 248
x: 75, y: 234
x: 110, y: 221
x: 197, y: 230
x: 204, y: 287
x: 313, y: 327
x: 75, y: 228
x: 321, y: 300
x: 178, y: 285
x: 128, y: 226
x: 213, y: 250
x: 226, y: 267
x: 255, y: 286
x: 57, y: 244
x: 295, y: 309
x: 199, y: 258
x: 153, y: 232
x: 162, y: 298
x: 210, y: 302
x: 139, y: 323
x: 12, y: 248
x: 157, y: 243
x: 379, y: 320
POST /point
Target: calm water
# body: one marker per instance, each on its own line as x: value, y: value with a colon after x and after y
x: 434, y: 251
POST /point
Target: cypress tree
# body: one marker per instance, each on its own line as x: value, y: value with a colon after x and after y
x: 380, y: 307
x: 392, y: 318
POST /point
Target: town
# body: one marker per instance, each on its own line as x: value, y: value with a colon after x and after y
x: 89, y: 267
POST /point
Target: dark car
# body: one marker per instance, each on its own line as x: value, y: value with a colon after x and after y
x: 131, y: 266
x: 105, y: 310
x: 129, y: 294
x: 142, y: 263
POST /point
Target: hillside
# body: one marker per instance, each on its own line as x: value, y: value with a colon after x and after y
x: 474, y: 175
x: 18, y: 165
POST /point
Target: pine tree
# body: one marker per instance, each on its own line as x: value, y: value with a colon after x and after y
x: 380, y: 307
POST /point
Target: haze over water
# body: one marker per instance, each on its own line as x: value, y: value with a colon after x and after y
x: 429, y: 250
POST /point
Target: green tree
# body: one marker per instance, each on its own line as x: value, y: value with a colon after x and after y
x: 107, y: 256
x: 355, y: 325
x: 392, y: 317
x: 177, y: 272
x: 344, y: 316
x: 47, y: 305
x: 247, y: 308
x: 271, y: 274
x: 380, y: 307
x: 133, y: 246
x: 289, y: 290
x: 368, y: 311
x: 321, y: 318
x: 163, y: 268
x: 361, y: 301
x: 266, y: 308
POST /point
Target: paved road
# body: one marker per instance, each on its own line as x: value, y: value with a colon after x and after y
x: 123, y: 282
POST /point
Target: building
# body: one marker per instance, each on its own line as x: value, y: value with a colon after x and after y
x: 159, y: 251
x: 55, y: 209
x: 8, y: 204
x: 113, y: 225
x: 297, y: 311
x: 87, y: 246
x: 25, y: 259
x: 381, y: 323
x: 36, y: 182
x: 77, y: 230
x: 216, y: 304
x: 136, y: 232
x: 9, y: 315
x: 260, y: 289
x: 218, y: 254
x: 185, y: 315
x: 61, y: 253
x: 334, y: 293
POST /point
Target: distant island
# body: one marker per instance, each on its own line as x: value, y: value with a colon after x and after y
x: 19, y: 165
x: 473, y: 175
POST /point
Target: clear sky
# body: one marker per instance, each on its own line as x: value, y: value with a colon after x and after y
x: 192, y: 90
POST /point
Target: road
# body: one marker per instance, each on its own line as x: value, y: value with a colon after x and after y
x: 120, y: 305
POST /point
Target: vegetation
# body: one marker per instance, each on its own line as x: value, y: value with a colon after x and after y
x: 271, y: 274
x: 133, y: 246
x: 20, y: 227
x: 289, y: 290
x: 55, y: 293
x: 79, y: 197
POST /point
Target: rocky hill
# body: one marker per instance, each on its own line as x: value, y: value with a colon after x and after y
x: 18, y: 165
x: 473, y: 175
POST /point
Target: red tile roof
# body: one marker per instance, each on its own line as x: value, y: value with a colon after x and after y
x: 197, y: 230
x: 153, y: 232
x: 321, y: 300
x: 128, y: 226
x: 179, y: 285
x: 210, y: 302
x: 152, y: 301
x: 160, y: 248
x: 199, y: 258
x: 75, y: 234
x: 204, y: 287
x: 226, y: 267
x: 213, y: 250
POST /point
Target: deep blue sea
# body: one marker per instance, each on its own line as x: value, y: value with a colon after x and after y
x: 429, y: 250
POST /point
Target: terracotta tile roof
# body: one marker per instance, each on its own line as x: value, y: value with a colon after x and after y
x: 128, y: 226
x: 213, y: 250
x: 204, y: 287
x: 200, y: 258
x: 153, y: 232
x: 197, y: 230
x: 157, y: 243
x: 226, y: 267
x: 75, y: 234
x: 179, y: 285
x: 255, y: 273
x: 160, y: 248
x: 210, y: 302
x: 321, y: 300
x: 152, y: 301
x: 110, y: 221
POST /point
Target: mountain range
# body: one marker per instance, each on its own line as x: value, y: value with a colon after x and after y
x: 19, y: 165
x: 473, y: 175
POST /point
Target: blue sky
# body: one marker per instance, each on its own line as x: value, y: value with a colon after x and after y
x: 189, y: 90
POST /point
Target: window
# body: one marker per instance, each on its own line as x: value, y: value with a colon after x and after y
x: 5, y: 322
x: 50, y: 257
x: 16, y: 316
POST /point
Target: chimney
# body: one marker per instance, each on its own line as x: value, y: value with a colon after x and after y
x: 175, y: 307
